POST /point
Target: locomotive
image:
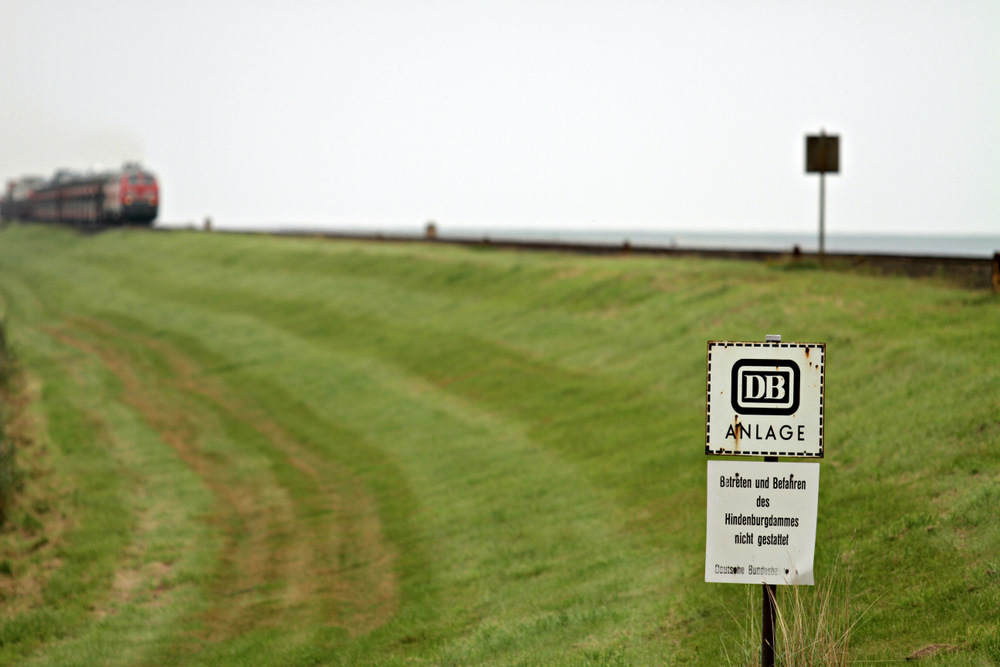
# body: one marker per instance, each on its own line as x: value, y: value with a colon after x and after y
x: 126, y: 196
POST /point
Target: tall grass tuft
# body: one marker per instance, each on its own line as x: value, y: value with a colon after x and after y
x: 813, y: 627
x: 6, y: 356
x: 10, y: 474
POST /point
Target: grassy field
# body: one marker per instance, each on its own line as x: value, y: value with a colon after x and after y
x: 244, y: 450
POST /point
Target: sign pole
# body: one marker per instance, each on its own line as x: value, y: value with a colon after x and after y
x: 822, y: 211
x: 769, y: 606
x: 769, y: 610
x: 769, y: 614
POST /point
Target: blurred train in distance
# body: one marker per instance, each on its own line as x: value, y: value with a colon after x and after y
x: 126, y: 196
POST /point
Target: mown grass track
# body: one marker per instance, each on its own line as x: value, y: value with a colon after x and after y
x: 276, y: 511
x: 289, y: 451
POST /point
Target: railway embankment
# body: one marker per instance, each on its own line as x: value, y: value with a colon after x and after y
x: 966, y: 271
x: 249, y: 450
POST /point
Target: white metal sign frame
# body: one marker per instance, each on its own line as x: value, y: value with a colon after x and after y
x: 765, y: 399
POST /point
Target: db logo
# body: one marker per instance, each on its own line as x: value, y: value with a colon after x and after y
x: 765, y: 387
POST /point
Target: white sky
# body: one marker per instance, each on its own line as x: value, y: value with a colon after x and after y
x: 587, y: 114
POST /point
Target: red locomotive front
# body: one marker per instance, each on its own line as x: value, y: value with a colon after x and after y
x: 132, y: 196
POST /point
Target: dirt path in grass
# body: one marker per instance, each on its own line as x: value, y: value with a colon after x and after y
x: 302, y: 543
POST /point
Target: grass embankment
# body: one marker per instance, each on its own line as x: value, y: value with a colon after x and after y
x: 286, y: 451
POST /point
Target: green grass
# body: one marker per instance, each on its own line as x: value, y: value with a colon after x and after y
x: 293, y: 451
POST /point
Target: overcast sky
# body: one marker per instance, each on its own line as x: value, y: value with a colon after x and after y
x: 669, y: 115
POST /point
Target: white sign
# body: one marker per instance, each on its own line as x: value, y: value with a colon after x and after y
x: 761, y: 522
x: 765, y: 399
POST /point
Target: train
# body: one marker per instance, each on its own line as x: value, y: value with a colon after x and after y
x: 94, y: 198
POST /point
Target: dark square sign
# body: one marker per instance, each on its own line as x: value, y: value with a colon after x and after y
x: 822, y: 154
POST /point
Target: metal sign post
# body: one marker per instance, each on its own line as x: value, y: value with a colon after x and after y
x: 769, y: 592
x: 822, y: 157
x: 769, y: 613
x: 822, y: 212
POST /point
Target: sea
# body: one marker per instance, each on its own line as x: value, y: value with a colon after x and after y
x: 931, y: 245
x: 979, y: 245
